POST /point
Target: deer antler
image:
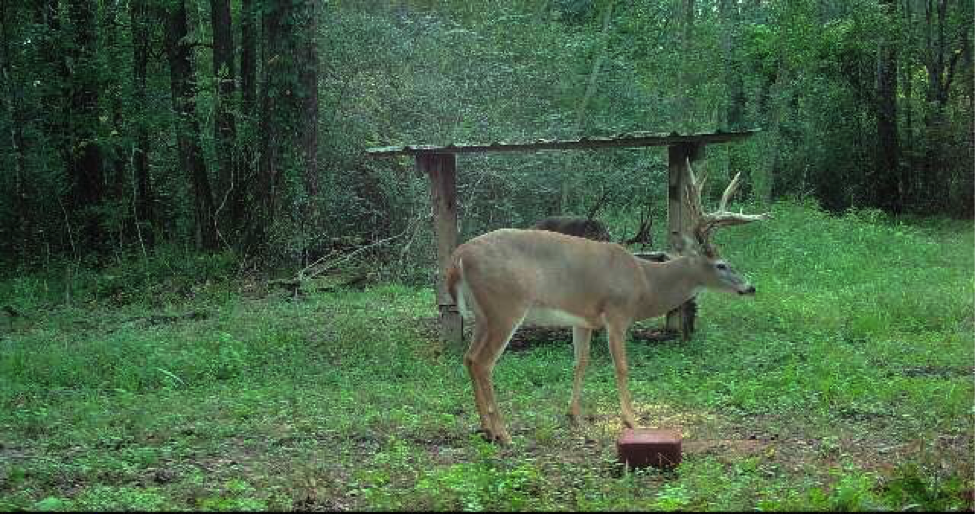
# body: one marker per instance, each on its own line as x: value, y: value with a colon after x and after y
x: 705, y: 223
x: 603, y: 197
x: 643, y: 233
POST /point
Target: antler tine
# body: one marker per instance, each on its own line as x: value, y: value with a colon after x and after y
x: 693, y: 189
x: 697, y: 183
x: 693, y: 204
x: 705, y: 223
x: 693, y: 193
x: 728, y: 192
x: 714, y: 220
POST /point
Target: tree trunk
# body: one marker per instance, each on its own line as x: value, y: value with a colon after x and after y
x: 12, y: 98
x: 594, y: 74
x: 685, y: 119
x: 734, y: 111
x: 567, y: 185
x: 908, y: 173
x: 937, y: 98
x: 52, y: 49
x: 969, y: 200
x: 85, y: 162
x: 272, y: 121
x: 187, y: 126
x: 248, y: 56
x: 542, y: 11
x: 289, y: 105
x: 308, y: 78
x: 139, y: 13
x: 225, y: 128
x: 116, y: 146
x: 888, y: 182
x: 248, y: 86
x: 735, y: 103
x: 940, y: 70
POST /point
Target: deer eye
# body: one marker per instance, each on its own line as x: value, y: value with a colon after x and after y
x: 721, y: 266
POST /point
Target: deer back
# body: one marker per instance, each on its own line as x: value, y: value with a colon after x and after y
x: 551, y: 271
x: 575, y: 226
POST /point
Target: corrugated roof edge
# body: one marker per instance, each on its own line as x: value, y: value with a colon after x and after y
x: 629, y: 139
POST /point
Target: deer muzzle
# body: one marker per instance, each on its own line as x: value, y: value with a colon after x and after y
x: 747, y: 291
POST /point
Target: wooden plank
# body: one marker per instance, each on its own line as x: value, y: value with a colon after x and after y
x: 678, y: 224
x: 624, y: 140
x: 441, y: 168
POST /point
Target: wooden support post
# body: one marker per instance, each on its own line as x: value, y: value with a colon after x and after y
x: 441, y: 168
x: 682, y: 318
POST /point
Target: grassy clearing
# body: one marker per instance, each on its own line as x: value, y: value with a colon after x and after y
x: 847, y: 384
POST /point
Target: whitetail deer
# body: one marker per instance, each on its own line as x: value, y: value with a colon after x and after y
x: 574, y: 226
x: 594, y: 229
x: 510, y: 276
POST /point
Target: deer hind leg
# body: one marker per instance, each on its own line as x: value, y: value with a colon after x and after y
x: 490, y: 341
x: 581, y: 337
x: 480, y: 332
x: 617, y: 347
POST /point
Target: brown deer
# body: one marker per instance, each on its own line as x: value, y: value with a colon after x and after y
x: 509, y: 276
x: 587, y: 227
x: 574, y: 226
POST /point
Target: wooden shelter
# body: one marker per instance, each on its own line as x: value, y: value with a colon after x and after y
x: 440, y: 165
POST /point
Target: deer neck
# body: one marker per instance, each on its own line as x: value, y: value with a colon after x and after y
x: 669, y: 285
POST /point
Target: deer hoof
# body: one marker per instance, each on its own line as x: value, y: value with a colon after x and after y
x: 490, y: 436
x: 575, y: 418
x: 501, y: 437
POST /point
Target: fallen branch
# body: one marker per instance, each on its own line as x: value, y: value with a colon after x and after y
x: 301, y: 275
x: 304, y: 274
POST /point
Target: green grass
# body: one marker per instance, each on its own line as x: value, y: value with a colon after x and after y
x: 846, y: 384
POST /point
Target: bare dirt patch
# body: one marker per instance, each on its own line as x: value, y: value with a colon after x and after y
x: 725, y: 448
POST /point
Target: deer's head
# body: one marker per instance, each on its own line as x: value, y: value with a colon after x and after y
x: 715, y: 272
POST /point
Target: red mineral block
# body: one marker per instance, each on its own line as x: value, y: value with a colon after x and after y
x: 659, y: 448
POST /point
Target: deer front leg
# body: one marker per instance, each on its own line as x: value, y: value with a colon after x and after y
x: 581, y: 338
x: 617, y: 347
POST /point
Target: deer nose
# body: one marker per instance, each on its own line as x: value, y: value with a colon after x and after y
x: 749, y: 291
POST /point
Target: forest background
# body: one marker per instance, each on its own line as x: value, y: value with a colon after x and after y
x: 239, y: 126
